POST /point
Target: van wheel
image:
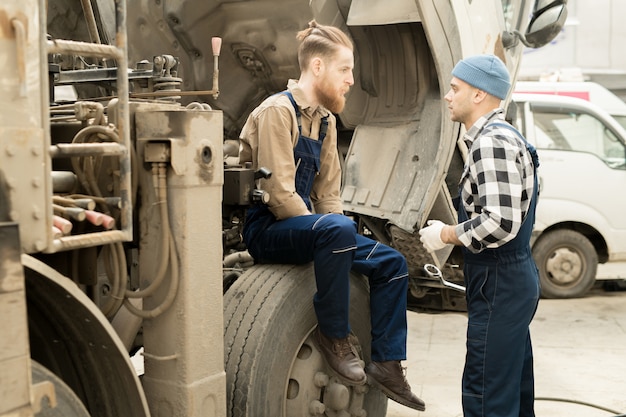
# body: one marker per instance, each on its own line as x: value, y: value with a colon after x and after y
x: 273, y: 365
x: 567, y: 263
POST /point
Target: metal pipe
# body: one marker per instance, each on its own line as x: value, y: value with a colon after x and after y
x: 83, y: 203
x: 91, y: 21
x: 86, y: 240
x: 59, y: 46
x: 165, y: 93
x: 75, y: 213
x: 123, y: 121
x: 63, y: 181
x: 85, y: 149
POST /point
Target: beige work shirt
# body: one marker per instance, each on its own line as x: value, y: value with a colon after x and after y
x: 268, y: 139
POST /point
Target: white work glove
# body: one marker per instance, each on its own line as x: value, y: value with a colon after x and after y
x: 431, y: 235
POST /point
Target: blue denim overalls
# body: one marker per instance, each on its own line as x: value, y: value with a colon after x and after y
x: 332, y: 243
x: 502, y: 295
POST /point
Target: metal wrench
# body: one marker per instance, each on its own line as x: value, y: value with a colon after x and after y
x: 435, y: 272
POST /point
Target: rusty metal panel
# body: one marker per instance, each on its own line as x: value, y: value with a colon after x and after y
x: 22, y: 162
x: 14, y: 350
x: 23, y: 128
x: 193, y: 165
x: 375, y: 12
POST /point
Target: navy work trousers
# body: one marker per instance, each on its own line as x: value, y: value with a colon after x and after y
x: 331, y: 241
x: 502, y: 296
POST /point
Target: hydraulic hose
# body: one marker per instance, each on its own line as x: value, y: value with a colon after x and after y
x: 115, y: 267
x: 565, y: 400
x: 86, y: 174
x: 160, y: 182
x: 111, y: 268
x: 169, y: 253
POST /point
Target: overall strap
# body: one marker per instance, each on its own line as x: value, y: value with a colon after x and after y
x: 324, y: 123
x: 531, y: 149
x: 295, y: 107
x: 533, y: 153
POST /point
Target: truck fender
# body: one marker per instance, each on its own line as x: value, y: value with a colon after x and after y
x: 551, y: 212
x: 72, y: 338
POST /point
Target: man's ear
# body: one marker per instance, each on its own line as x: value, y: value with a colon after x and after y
x: 479, y: 96
x: 316, y: 65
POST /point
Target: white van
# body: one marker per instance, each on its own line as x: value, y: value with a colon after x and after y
x: 581, y: 212
x: 587, y: 90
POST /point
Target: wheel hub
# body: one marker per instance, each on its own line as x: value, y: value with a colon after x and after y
x: 565, y: 266
x: 313, y: 391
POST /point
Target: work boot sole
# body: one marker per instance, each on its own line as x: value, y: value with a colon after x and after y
x: 393, y: 396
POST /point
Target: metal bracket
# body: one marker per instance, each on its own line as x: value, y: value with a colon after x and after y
x: 41, y: 390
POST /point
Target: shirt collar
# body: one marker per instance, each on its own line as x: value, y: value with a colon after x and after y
x: 302, y: 101
x: 479, y: 125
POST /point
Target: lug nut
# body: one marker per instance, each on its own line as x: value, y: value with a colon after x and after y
x: 321, y: 379
x: 316, y: 408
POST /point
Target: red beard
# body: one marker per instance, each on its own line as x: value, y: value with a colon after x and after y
x: 329, y: 98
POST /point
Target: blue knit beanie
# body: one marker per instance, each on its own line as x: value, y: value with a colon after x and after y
x: 485, y: 72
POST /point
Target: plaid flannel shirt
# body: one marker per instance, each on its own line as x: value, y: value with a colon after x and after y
x: 496, y: 185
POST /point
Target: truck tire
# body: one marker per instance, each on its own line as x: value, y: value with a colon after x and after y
x: 68, y: 403
x: 567, y: 263
x: 273, y: 366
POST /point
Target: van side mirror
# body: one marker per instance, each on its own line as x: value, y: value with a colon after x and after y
x: 546, y: 22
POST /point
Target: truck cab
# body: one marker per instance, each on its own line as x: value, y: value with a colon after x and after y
x: 579, y: 223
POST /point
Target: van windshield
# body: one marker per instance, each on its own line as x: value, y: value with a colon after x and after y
x: 577, y: 131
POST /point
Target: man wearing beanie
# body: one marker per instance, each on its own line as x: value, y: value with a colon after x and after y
x: 496, y: 213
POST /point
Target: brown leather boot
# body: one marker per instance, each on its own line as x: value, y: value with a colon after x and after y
x: 341, y: 357
x: 389, y: 378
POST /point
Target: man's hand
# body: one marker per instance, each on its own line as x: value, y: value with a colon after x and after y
x: 431, y: 235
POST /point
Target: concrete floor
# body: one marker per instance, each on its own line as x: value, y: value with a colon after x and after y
x: 580, y: 354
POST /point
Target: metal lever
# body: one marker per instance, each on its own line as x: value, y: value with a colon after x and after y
x: 262, y: 173
x: 435, y: 272
x: 216, y: 44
